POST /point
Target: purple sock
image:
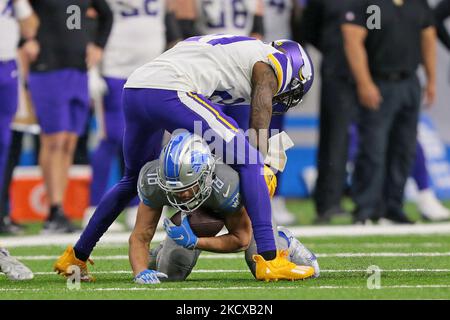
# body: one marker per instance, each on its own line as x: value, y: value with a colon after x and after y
x: 113, y: 124
x: 101, y: 162
x: 419, y: 172
x: 255, y: 196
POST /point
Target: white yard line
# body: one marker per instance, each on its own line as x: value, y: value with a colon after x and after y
x: 431, y: 286
x: 307, y: 231
x: 371, y: 245
x: 247, y: 271
x: 240, y: 256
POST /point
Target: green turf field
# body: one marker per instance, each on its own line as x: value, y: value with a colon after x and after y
x: 413, y: 267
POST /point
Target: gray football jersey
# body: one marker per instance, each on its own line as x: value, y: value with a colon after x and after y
x: 225, y: 197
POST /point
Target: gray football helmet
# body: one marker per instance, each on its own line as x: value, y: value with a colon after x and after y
x: 186, y: 163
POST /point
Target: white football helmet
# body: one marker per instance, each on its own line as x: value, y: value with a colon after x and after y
x: 186, y: 163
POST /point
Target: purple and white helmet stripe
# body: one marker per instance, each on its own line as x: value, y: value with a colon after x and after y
x: 302, y: 68
x: 283, y: 70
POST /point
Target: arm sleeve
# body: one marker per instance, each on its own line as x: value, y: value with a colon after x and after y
x: 441, y: 13
x: 258, y: 25
x: 173, y: 31
x: 188, y: 28
x: 105, y: 21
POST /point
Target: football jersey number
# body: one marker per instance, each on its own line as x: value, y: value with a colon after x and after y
x: 215, y: 13
x: 279, y: 4
x: 152, y: 179
x: 128, y: 10
x: 223, y: 97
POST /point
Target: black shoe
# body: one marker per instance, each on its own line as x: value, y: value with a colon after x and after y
x: 397, y: 217
x: 325, y: 217
x: 59, y: 224
x: 363, y: 217
x: 10, y: 228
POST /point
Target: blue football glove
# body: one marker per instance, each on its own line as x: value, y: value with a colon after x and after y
x: 182, y: 234
x: 149, y: 277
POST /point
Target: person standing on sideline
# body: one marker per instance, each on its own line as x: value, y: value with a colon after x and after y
x: 140, y: 33
x: 17, y: 20
x: 384, y: 49
x: 62, y: 112
x: 320, y: 26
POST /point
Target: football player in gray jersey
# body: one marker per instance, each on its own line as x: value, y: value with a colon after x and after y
x: 195, y: 179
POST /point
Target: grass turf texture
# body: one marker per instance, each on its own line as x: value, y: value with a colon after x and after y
x: 400, y: 280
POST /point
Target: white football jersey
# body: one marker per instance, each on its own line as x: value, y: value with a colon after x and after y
x: 226, y: 16
x: 137, y: 36
x: 213, y: 65
x: 277, y: 17
x: 9, y: 31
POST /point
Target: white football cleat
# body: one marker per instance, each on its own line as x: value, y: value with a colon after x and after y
x: 430, y: 207
x: 280, y: 213
x: 13, y: 268
x: 298, y: 253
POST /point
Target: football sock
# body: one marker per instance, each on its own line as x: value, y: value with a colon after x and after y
x: 80, y: 255
x: 101, y: 161
x: 54, y: 211
x: 269, y: 255
x: 257, y: 202
x: 420, y: 173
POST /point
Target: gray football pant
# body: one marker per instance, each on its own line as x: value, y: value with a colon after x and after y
x: 177, y: 262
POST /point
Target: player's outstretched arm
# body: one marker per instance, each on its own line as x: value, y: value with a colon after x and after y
x: 237, y: 239
x: 139, y: 242
x: 264, y: 87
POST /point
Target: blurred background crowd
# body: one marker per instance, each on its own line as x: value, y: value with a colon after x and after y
x: 373, y: 132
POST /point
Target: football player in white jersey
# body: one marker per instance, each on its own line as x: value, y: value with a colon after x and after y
x: 141, y: 31
x: 279, y: 16
x: 239, y: 17
x: 173, y: 92
x: 16, y: 19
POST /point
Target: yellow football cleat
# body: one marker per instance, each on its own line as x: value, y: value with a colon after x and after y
x: 64, y: 265
x: 280, y: 268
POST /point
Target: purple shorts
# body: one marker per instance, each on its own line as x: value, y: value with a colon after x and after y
x: 8, y: 105
x: 61, y: 100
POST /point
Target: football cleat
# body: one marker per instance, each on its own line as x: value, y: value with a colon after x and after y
x: 280, y: 268
x: 65, y: 263
x: 13, y: 268
x: 298, y: 253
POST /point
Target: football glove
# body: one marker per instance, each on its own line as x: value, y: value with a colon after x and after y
x: 149, y: 277
x: 182, y: 234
